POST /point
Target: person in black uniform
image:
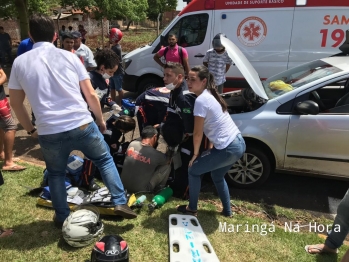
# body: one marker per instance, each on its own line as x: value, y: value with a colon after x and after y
x: 151, y: 107
x: 181, y: 106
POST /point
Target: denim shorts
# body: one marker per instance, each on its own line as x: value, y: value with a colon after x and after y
x: 116, y: 82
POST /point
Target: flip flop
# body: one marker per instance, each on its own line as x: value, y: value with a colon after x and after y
x: 6, y: 232
x: 319, y: 249
x: 13, y: 168
x: 183, y: 209
x: 14, y: 159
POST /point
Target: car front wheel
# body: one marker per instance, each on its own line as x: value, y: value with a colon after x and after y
x: 252, y: 170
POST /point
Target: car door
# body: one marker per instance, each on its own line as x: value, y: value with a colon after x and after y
x: 319, y: 143
x: 194, y: 34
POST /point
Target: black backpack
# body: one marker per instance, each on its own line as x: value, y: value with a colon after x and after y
x: 180, y: 51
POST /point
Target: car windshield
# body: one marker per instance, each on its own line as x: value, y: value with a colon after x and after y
x: 296, y: 77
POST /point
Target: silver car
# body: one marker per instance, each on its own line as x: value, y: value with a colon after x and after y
x: 296, y: 121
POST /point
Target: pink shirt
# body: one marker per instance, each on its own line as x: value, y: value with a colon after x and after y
x: 172, y: 54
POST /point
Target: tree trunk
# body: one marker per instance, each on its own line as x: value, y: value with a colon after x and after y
x: 102, y: 33
x: 158, y: 23
x: 22, y: 7
x: 128, y: 25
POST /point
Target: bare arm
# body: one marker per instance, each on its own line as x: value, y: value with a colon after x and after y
x: 157, y: 60
x: 197, y: 136
x: 227, y: 66
x: 93, y: 102
x: 3, y: 77
x: 16, y: 101
x: 186, y: 66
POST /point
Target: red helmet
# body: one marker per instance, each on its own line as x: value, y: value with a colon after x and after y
x: 115, y: 35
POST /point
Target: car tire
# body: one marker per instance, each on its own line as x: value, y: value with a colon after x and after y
x: 149, y: 82
x: 241, y: 176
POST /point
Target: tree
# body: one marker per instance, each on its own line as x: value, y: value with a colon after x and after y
x: 22, y: 9
x: 134, y: 10
x: 157, y: 7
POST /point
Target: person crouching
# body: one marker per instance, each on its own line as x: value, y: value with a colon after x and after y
x: 145, y: 168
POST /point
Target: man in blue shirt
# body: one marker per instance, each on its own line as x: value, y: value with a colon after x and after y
x: 25, y: 46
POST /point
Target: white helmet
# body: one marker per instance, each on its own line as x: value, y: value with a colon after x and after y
x: 82, y: 227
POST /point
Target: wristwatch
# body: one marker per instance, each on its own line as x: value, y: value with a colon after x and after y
x: 32, y: 132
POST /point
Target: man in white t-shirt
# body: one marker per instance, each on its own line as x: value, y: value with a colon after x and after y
x: 218, y: 62
x: 53, y: 79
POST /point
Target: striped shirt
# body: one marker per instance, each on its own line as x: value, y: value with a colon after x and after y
x: 217, y: 64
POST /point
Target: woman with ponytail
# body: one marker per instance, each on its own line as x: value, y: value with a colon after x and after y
x: 226, y: 142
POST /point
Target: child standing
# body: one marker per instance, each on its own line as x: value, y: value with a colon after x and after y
x: 218, y: 62
x: 115, y: 36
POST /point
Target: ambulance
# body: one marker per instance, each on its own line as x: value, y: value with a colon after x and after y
x: 274, y: 35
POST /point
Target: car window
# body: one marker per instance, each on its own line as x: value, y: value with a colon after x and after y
x: 191, y: 30
x: 332, y: 98
x: 298, y: 76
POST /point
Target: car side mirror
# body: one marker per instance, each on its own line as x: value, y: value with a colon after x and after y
x: 307, y: 108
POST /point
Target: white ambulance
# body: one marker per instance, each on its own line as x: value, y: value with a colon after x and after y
x: 273, y: 34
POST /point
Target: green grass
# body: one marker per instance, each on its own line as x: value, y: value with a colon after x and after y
x: 36, y: 239
x: 131, y: 40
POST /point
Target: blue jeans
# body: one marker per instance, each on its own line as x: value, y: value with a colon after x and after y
x: 89, y: 140
x: 218, y: 162
x: 335, y: 239
x: 116, y: 82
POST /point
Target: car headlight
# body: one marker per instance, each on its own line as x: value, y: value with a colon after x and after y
x: 126, y: 62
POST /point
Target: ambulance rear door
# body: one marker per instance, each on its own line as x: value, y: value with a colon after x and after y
x: 318, y: 29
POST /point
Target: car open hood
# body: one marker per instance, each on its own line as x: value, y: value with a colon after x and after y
x: 245, y: 67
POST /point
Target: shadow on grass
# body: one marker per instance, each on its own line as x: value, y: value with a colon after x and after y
x: 269, y: 210
x: 30, y: 236
x: 207, y: 220
x: 327, y: 258
x: 26, y: 145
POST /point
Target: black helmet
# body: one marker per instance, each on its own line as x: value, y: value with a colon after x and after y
x: 111, y: 248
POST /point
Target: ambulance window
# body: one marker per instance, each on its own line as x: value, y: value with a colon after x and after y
x: 301, y: 2
x: 191, y: 30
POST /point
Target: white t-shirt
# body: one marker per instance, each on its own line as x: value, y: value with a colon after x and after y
x: 85, y: 53
x: 219, y: 128
x: 50, y: 78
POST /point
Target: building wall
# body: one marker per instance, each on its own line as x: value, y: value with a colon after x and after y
x: 92, y: 26
x: 168, y: 16
x: 12, y: 28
